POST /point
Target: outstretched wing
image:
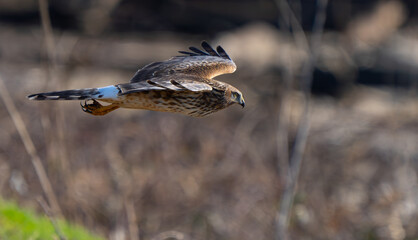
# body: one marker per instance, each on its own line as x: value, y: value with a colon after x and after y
x: 207, y: 63
x: 174, y: 83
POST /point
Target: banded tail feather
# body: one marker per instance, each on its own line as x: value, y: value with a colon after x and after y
x: 78, y: 94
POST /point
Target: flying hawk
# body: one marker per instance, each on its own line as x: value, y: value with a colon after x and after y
x: 183, y: 84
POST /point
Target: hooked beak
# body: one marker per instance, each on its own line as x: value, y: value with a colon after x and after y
x: 237, y: 98
x: 242, y: 102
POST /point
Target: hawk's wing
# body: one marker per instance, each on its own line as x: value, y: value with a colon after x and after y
x: 206, y: 63
x: 175, y: 83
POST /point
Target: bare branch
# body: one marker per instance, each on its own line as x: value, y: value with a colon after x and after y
x: 132, y: 219
x: 286, y: 203
x: 30, y: 148
x: 47, y: 211
x: 124, y: 184
x: 57, y: 149
x: 47, y: 28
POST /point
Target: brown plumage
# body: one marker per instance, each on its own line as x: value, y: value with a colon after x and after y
x: 183, y: 84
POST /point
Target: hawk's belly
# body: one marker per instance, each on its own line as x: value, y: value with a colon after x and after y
x: 196, y: 104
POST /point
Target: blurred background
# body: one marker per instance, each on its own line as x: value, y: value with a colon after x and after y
x: 136, y: 174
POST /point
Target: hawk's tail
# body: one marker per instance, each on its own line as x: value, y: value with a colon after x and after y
x: 78, y: 94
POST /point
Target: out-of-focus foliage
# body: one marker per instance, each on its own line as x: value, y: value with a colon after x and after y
x: 17, y: 223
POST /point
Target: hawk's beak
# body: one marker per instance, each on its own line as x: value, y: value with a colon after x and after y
x: 237, y: 98
x: 242, y: 102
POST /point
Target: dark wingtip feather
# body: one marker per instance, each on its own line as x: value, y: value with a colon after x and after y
x: 196, y: 50
x: 209, y: 49
x: 204, y: 43
x: 222, y: 52
x: 188, y: 53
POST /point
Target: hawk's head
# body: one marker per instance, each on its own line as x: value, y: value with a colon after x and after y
x: 233, y: 95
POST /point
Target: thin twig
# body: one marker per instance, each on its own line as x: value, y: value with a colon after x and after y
x: 293, y: 24
x: 286, y: 203
x: 30, y: 148
x: 58, y: 151
x: 132, y: 220
x: 283, y: 126
x: 51, y: 218
x: 47, y: 29
x: 124, y: 184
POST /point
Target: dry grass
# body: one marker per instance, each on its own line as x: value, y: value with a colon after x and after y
x: 216, y: 177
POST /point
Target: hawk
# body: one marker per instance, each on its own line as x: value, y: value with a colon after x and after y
x: 183, y: 84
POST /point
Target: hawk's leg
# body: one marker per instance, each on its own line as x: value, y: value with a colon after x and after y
x: 98, y: 109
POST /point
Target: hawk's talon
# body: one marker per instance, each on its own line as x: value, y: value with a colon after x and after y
x: 85, y: 107
x: 90, y: 107
x: 96, y: 108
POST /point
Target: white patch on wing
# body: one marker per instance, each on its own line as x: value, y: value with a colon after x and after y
x: 165, y: 84
x: 194, y: 86
x: 107, y: 92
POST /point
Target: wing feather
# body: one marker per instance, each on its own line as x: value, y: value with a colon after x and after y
x: 183, y: 83
x: 209, y: 49
x: 189, y: 53
x: 222, y: 52
x: 196, y: 50
x: 204, y: 64
x: 193, y: 85
x: 164, y: 83
x: 126, y: 88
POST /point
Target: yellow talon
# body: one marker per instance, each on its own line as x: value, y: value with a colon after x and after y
x: 97, y: 109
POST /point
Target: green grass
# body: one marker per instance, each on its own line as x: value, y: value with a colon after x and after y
x: 17, y: 224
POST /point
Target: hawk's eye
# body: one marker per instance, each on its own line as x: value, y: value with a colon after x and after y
x: 235, y: 95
